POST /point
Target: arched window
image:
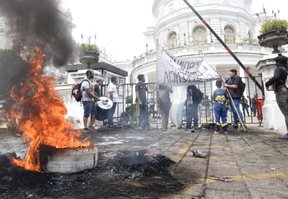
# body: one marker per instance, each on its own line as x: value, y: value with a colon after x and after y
x: 229, y: 34
x: 172, y: 40
x: 199, y: 35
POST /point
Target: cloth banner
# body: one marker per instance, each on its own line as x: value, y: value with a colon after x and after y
x: 178, y: 71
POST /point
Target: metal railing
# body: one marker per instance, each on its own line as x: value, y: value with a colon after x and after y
x: 206, y: 112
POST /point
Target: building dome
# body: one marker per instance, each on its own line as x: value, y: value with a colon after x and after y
x: 231, y: 19
x: 180, y: 31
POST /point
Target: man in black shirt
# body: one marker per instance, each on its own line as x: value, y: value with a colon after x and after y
x: 98, y: 87
x: 141, y: 92
x: 233, y: 85
x: 278, y: 84
x: 245, y: 106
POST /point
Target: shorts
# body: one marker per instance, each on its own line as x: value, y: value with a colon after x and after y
x: 89, y: 108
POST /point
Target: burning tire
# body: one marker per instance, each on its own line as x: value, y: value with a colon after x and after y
x: 68, y: 160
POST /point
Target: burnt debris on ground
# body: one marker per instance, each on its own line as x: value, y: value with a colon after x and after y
x: 132, y: 165
x: 151, y: 179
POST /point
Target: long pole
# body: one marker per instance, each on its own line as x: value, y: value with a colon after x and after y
x: 234, y: 107
x: 225, y: 46
x: 232, y: 102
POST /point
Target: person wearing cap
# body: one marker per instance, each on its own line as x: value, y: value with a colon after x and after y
x: 88, y: 100
x: 277, y: 83
x: 233, y: 86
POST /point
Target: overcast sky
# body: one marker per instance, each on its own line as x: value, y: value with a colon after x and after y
x: 119, y: 25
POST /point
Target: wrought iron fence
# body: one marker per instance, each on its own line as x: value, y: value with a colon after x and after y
x: 206, y: 112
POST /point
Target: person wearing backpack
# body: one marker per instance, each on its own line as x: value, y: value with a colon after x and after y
x: 88, y: 100
x: 236, y: 87
x: 278, y: 82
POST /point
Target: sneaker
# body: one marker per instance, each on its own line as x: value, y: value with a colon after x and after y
x: 216, y: 132
x: 139, y: 128
x: 85, y: 130
x: 192, y: 130
x: 240, y: 129
x: 92, y: 128
x: 147, y: 127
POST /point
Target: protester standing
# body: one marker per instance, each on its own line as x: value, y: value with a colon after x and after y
x: 193, y: 98
x: 253, y: 105
x: 235, y: 86
x: 98, y: 87
x: 278, y: 82
x: 164, y: 103
x: 88, y: 100
x: 113, y: 95
x: 259, y: 107
x: 245, y: 106
x: 141, y: 98
x: 220, y: 98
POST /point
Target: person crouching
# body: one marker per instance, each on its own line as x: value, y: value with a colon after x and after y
x: 220, y: 109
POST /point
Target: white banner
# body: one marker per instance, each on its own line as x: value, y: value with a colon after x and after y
x: 178, y: 71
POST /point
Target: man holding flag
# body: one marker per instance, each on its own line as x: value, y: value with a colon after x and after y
x: 179, y: 73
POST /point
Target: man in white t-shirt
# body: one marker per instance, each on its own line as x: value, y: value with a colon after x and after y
x: 88, y: 100
x: 113, y: 95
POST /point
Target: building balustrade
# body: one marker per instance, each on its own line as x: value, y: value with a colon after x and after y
x: 202, y: 49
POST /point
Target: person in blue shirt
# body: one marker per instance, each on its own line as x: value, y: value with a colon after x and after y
x: 220, y: 98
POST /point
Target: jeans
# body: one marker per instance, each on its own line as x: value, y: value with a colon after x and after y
x: 235, y: 116
x: 111, y: 113
x: 245, y: 110
x: 282, y: 101
x: 144, y: 115
x: 220, y: 111
x: 191, y: 114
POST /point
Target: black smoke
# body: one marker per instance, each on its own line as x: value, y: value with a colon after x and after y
x: 13, y: 70
x: 39, y: 22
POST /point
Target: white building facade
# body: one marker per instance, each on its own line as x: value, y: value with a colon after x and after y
x: 180, y: 31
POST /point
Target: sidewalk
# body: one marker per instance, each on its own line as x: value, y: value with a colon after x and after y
x: 255, y: 162
x: 241, y: 165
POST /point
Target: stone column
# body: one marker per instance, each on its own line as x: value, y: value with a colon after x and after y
x: 273, y: 118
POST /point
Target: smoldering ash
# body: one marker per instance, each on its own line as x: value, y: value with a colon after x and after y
x: 39, y: 22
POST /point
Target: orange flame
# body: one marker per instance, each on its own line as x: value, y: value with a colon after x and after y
x: 39, y: 113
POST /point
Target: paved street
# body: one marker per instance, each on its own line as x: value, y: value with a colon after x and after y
x: 240, y: 165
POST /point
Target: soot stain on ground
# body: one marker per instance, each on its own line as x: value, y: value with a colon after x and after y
x: 109, y: 179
